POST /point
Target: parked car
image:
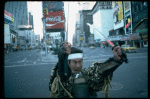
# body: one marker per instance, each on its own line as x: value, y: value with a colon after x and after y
x: 92, y: 47
x: 14, y: 48
x: 128, y: 48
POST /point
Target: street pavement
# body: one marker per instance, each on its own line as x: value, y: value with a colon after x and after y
x: 26, y: 73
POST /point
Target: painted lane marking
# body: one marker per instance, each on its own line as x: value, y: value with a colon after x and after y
x: 23, y: 60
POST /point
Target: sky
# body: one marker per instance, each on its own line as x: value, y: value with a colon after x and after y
x: 36, y: 9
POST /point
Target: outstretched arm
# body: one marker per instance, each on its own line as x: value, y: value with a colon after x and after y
x: 100, y: 73
x: 113, y: 63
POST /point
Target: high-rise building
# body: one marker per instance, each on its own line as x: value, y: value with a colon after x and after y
x: 85, y: 17
x: 19, y: 11
x: 15, y: 14
x: 31, y: 20
x: 140, y: 22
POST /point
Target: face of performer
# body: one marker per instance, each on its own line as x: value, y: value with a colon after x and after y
x: 76, y: 64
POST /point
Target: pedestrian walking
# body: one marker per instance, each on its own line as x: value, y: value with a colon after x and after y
x: 74, y: 82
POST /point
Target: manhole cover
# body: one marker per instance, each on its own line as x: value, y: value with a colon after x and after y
x: 115, y: 86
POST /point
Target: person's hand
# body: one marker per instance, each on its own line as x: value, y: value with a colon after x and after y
x: 67, y: 47
x: 117, y: 53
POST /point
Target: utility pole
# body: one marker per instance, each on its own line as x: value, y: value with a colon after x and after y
x: 67, y: 23
x: 31, y: 38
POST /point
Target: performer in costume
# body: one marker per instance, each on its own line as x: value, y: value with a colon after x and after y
x: 81, y: 83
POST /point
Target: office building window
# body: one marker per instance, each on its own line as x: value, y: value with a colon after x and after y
x: 135, y: 8
x: 139, y: 6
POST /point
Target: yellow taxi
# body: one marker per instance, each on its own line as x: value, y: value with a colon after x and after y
x: 92, y: 47
x: 29, y: 48
x: 128, y: 48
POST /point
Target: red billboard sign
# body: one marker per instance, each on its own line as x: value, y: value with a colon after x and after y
x: 54, y: 20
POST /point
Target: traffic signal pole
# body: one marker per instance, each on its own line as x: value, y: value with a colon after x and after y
x: 44, y: 33
x: 44, y: 24
x: 45, y: 39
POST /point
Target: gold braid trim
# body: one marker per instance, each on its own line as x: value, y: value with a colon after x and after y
x: 105, y: 88
x: 55, y: 87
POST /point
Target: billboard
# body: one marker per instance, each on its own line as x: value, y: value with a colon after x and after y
x: 134, y: 36
x: 54, y: 20
x: 126, y: 6
x: 127, y: 17
x: 8, y: 17
x: 117, y: 14
x: 53, y: 5
x: 54, y: 35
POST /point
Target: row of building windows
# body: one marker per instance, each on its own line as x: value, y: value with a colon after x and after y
x: 138, y: 6
x: 105, y: 2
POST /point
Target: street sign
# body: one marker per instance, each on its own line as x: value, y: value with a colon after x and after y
x: 81, y: 38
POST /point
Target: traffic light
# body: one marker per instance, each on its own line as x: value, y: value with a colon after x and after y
x: 45, y: 11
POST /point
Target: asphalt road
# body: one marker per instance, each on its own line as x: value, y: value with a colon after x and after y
x: 26, y: 76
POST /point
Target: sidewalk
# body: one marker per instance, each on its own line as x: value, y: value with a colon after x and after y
x: 49, y: 58
x: 143, y: 49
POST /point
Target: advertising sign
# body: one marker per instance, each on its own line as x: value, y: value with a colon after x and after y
x: 134, y: 36
x: 53, y: 5
x: 54, y: 20
x: 24, y: 26
x: 8, y: 17
x: 127, y: 17
x: 126, y: 6
x: 128, y: 24
x: 54, y: 35
x: 6, y: 34
x: 144, y: 37
x: 117, y: 14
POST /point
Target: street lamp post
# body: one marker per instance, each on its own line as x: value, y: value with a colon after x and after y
x: 44, y: 33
